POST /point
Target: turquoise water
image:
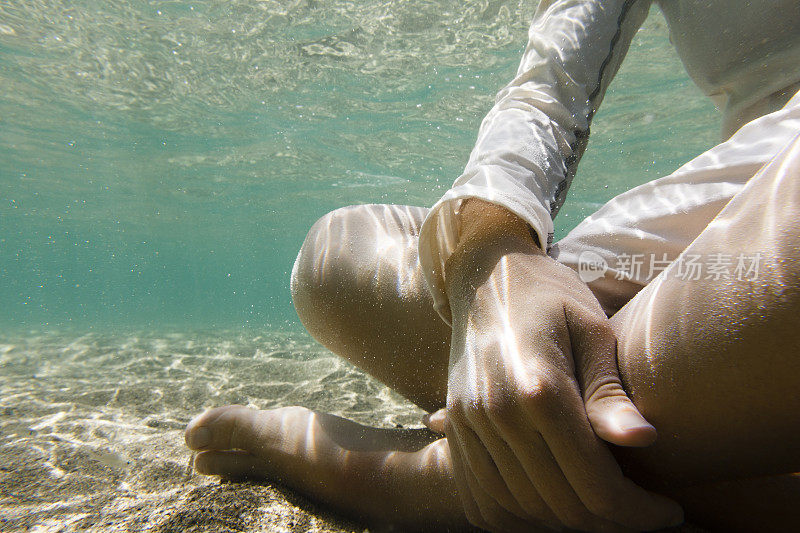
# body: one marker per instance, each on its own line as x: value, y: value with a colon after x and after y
x: 160, y: 162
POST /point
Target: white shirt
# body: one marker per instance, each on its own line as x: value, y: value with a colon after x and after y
x: 743, y: 54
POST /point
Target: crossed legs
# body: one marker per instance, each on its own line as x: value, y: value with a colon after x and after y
x: 712, y: 363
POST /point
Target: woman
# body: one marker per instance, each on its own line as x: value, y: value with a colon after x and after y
x: 698, y: 271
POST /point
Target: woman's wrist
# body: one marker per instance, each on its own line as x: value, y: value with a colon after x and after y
x: 481, y: 221
x: 487, y: 233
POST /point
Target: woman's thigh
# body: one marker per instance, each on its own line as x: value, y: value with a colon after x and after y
x: 710, y: 350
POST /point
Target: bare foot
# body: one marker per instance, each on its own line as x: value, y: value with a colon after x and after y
x: 378, y: 475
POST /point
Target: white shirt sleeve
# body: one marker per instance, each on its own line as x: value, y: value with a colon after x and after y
x: 529, y: 144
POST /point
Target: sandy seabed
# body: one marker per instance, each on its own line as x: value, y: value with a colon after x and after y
x: 91, y: 428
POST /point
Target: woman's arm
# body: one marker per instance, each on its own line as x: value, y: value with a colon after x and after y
x: 530, y: 142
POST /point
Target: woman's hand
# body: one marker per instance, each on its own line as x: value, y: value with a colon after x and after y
x: 533, y: 383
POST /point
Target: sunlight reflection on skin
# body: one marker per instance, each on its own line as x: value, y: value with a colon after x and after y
x: 675, y: 338
x: 508, y: 338
x: 310, y: 449
x: 649, y: 351
x: 375, y: 244
x: 379, y: 233
x: 677, y: 341
x: 323, y: 240
x: 767, y: 222
x: 499, y: 333
x: 474, y: 340
x: 392, y: 252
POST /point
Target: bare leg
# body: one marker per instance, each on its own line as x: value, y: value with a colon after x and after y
x: 377, y: 475
x: 712, y: 363
x: 358, y: 289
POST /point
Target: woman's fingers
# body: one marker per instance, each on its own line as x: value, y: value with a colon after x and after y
x: 460, y: 473
x: 536, y: 491
x: 550, y: 483
x: 590, y: 468
x: 479, y: 464
x: 514, y: 476
x: 484, y: 467
x: 481, y: 502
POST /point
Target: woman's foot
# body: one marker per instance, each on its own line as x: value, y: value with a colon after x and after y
x: 380, y: 475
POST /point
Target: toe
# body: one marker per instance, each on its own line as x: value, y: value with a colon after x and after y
x: 224, y: 428
x: 230, y: 464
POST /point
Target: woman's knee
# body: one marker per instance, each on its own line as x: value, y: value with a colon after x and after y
x: 325, y: 258
x: 355, y: 254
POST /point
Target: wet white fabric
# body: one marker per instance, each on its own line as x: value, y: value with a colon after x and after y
x: 638, y: 233
x: 530, y: 143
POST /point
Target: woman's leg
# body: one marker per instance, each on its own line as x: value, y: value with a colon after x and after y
x: 382, y: 476
x: 711, y: 357
x: 359, y: 290
x: 712, y: 362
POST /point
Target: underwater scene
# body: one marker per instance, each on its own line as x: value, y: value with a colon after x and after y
x: 160, y: 165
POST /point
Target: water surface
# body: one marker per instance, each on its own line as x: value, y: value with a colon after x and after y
x: 162, y: 161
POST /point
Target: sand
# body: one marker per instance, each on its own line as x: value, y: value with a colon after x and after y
x: 91, y: 428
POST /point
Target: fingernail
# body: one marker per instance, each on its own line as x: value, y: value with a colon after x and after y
x: 199, y: 438
x: 629, y: 420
